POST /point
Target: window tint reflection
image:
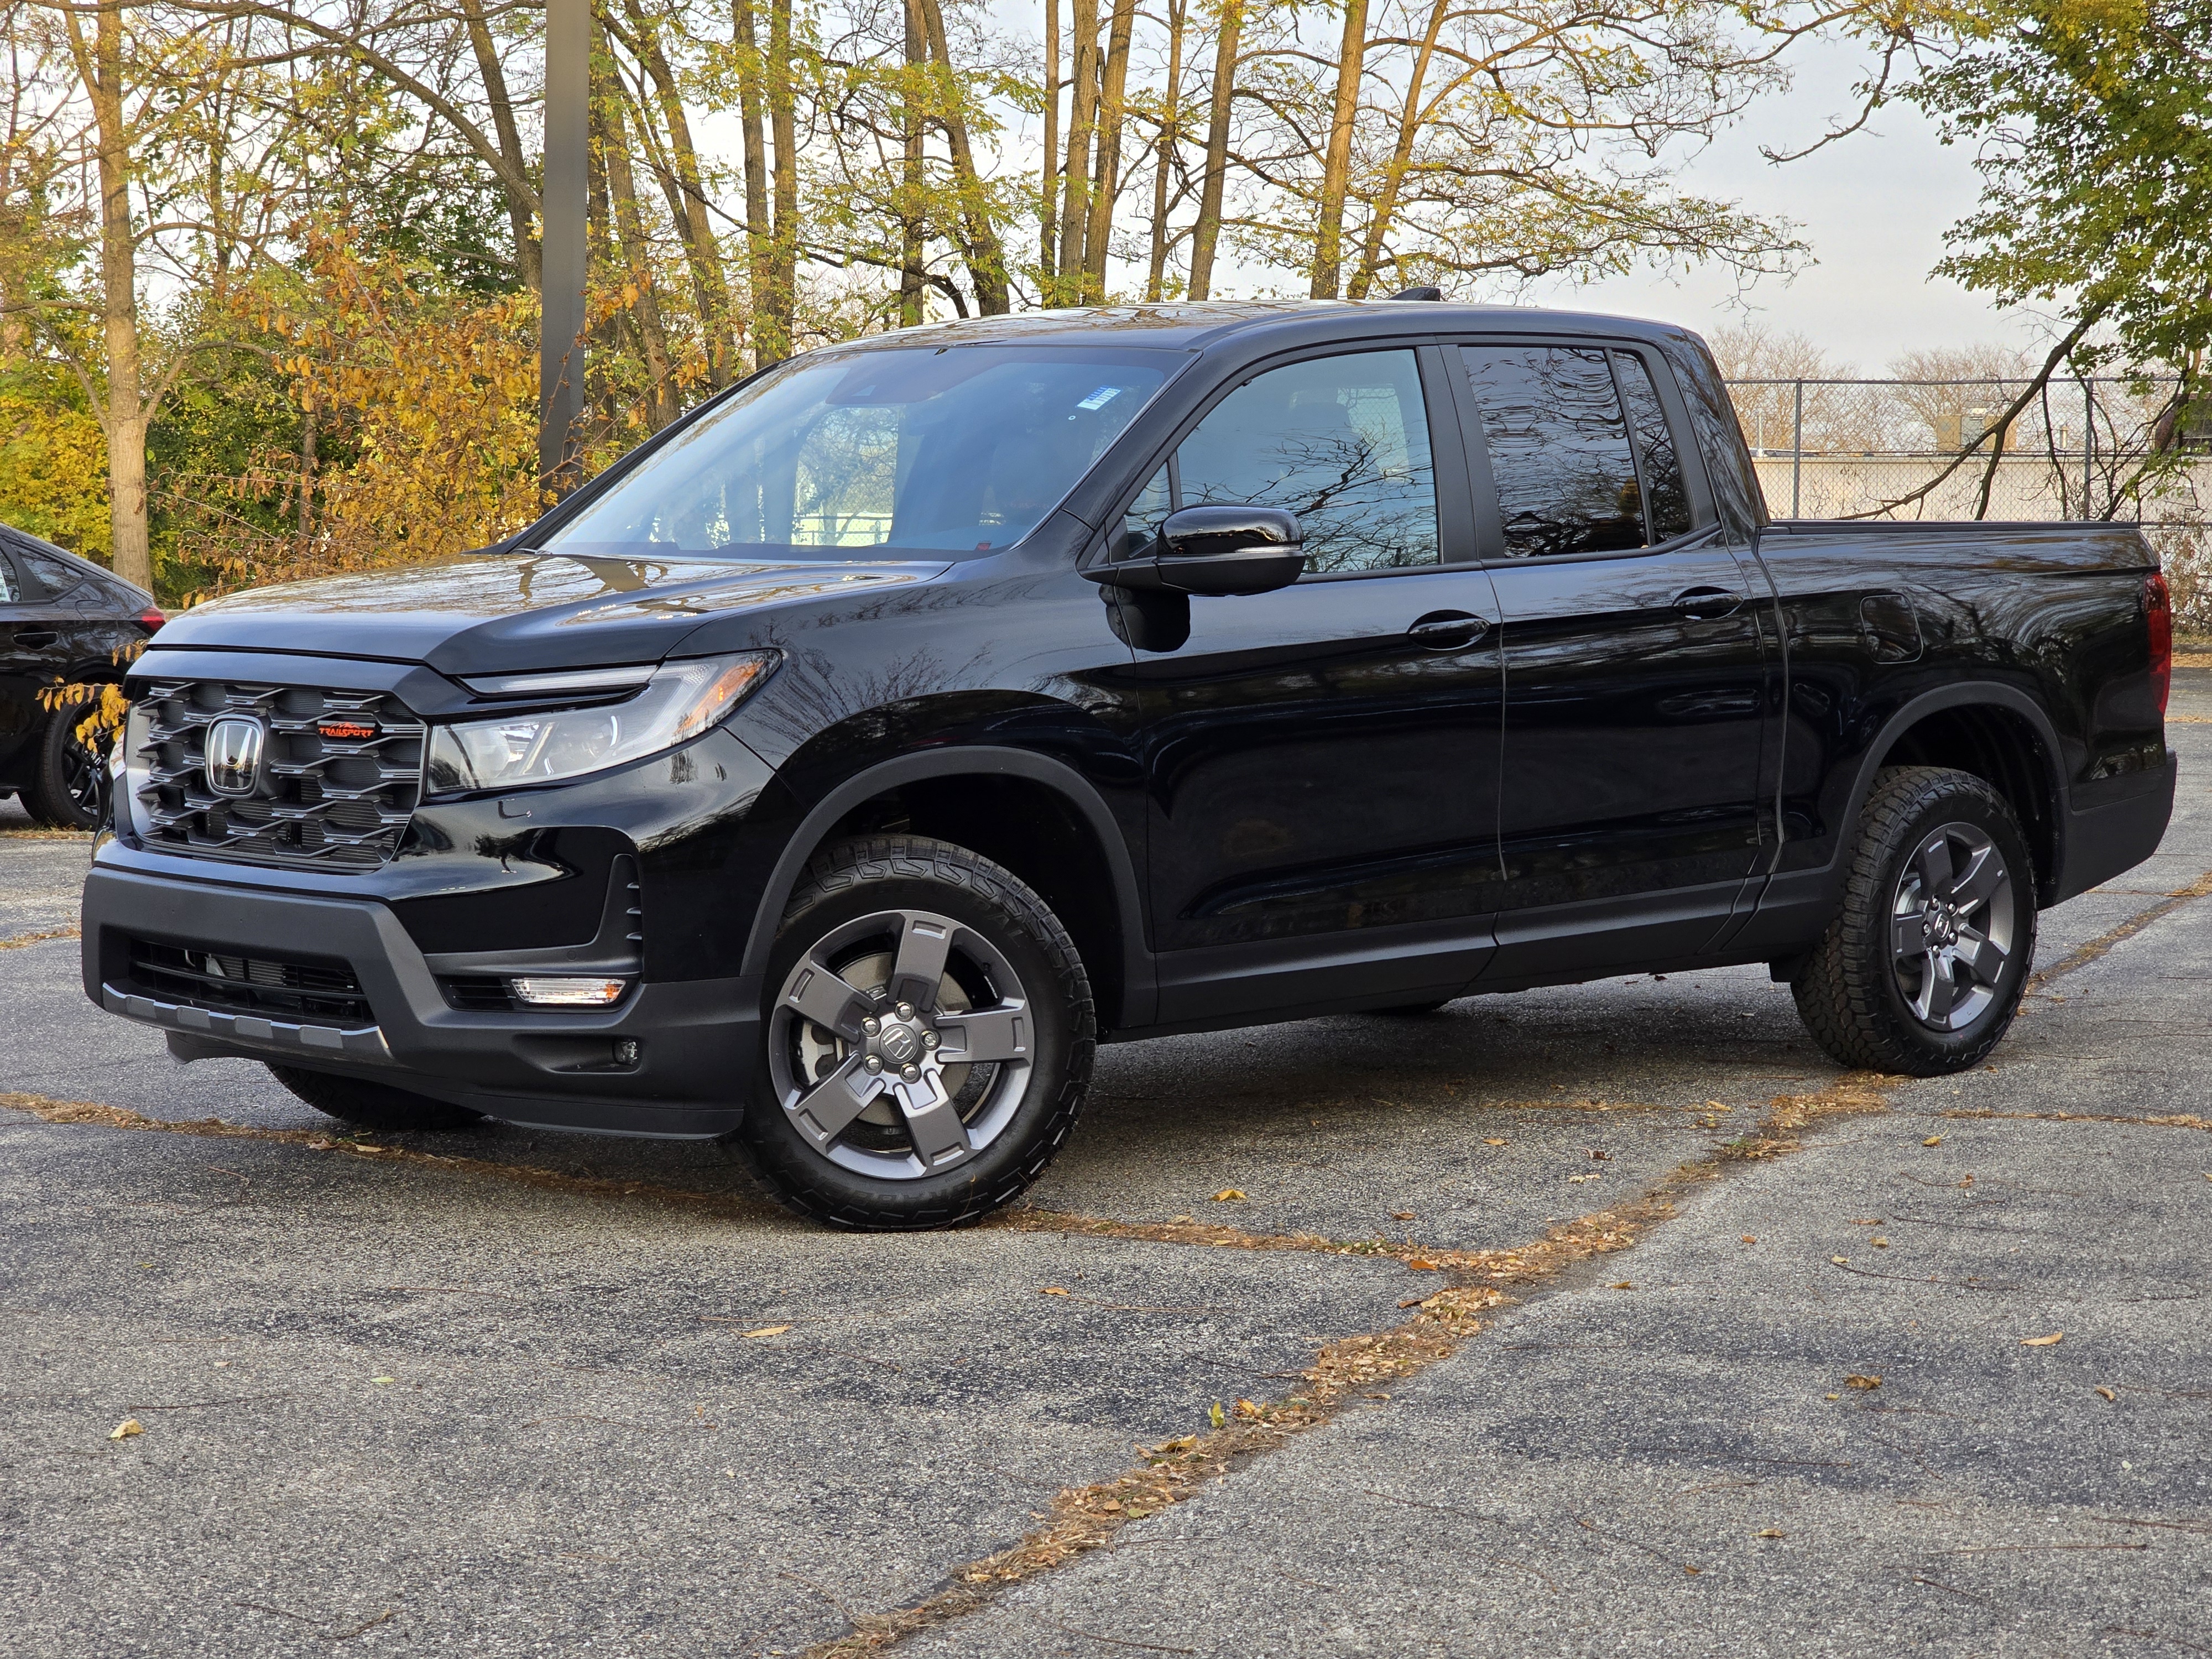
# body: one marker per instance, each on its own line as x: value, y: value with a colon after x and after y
x: 1666, y: 497
x: 1343, y: 442
x: 1558, y: 450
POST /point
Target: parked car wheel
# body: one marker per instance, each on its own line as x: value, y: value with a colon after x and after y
x: 65, y: 788
x: 1924, y: 969
x: 370, y: 1105
x: 929, y: 1036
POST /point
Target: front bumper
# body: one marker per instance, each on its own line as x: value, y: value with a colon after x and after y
x: 697, y: 1039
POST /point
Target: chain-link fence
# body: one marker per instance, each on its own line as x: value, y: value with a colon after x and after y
x: 2078, y: 449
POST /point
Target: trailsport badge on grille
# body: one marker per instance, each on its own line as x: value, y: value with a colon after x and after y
x: 233, y: 755
x: 345, y: 728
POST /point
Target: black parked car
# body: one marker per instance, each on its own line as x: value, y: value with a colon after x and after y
x: 62, y: 619
x: 836, y: 771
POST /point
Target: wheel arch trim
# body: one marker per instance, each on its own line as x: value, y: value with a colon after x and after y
x: 1138, y: 981
x: 1974, y: 694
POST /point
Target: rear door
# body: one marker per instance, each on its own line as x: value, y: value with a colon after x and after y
x: 38, y: 642
x: 1321, y: 762
x: 1635, y: 662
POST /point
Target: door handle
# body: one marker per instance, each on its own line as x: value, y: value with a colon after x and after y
x: 1447, y: 630
x: 1707, y: 603
x: 36, y: 639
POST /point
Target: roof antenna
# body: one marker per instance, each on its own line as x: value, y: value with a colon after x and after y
x: 1418, y: 293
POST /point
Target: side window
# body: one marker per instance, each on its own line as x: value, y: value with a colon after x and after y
x: 1558, y: 449
x: 43, y: 568
x: 1343, y: 442
x: 10, y: 591
x: 1666, y: 497
x: 1142, y: 521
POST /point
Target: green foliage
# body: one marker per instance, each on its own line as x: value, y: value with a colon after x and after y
x: 2092, y: 123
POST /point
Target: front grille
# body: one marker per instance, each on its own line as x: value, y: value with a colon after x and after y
x: 209, y: 978
x: 340, y: 776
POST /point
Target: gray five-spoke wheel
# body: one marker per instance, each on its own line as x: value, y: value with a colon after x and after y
x: 900, y: 1044
x: 1952, y: 926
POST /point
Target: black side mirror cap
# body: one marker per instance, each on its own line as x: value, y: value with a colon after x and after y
x: 1215, y: 551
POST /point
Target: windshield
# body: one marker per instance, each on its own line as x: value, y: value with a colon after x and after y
x: 952, y: 451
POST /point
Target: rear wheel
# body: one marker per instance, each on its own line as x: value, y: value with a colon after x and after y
x: 65, y: 789
x: 370, y: 1105
x: 928, y: 1043
x: 1923, y: 971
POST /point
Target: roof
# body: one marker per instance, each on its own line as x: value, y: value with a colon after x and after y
x: 1192, y: 326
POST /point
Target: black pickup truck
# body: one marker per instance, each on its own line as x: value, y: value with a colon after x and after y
x: 836, y: 771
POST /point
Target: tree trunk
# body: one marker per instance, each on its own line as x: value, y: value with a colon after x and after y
x: 756, y: 145
x: 1082, y: 112
x: 985, y: 254
x: 1106, y: 185
x: 911, y: 184
x: 101, y: 68
x: 1336, y: 164
x: 1048, y: 241
x: 701, y: 252
x: 774, y: 338
x: 1165, y: 152
x: 1409, y: 128
x: 1207, y: 230
x: 521, y: 215
x: 609, y: 115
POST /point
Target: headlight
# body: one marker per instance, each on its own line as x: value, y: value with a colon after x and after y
x: 680, y: 700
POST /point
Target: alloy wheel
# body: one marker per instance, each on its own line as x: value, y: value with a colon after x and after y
x: 900, y: 1045
x: 1953, y: 929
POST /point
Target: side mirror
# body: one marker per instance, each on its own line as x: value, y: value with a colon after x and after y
x: 1214, y: 549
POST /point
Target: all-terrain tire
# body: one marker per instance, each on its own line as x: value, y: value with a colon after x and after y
x: 65, y: 788
x: 845, y: 886
x: 370, y: 1105
x: 1849, y: 990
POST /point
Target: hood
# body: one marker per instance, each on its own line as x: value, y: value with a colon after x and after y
x: 502, y: 613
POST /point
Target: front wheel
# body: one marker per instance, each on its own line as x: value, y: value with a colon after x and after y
x: 928, y: 1039
x: 1923, y: 969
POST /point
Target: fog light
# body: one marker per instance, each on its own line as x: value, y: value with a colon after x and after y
x: 567, y: 993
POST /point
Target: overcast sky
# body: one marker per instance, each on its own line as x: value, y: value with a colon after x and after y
x: 1873, y: 206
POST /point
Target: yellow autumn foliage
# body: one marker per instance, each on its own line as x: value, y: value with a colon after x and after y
x: 53, y: 472
x: 433, y: 401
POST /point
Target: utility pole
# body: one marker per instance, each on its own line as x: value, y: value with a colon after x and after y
x: 566, y: 187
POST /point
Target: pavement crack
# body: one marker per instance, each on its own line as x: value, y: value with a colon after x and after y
x: 17, y: 941
x: 2101, y: 946
x: 2171, y: 1120
x: 1083, y: 1519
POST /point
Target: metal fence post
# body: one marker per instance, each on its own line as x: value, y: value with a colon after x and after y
x: 2088, y: 443
x: 1797, y: 452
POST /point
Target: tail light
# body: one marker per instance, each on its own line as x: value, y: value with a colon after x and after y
x: 2158, y: 612
x: 151, y: 619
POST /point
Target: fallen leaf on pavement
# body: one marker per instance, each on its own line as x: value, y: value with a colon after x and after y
x: 1879, y: 1243
x: 125, y: 1428
x: 1933, y: 1140
x: 1229, y: 1195
x: 1854, y: 1381
x: 1751, y: 1238
x: 1180, y: 1442
x: 1832, y: 1396
x: 2040, y: 1342
x: 778, y: 1330
x: 1419, y: 1264
x: 1246, y: 1409
x: 1052, y: 1290
x: 1402, y: 1215
x: 2106, y: 1392
x: 1770, y: 1533
x: 1866, y: 1221
x: 380, y: 1380
x: 1626, y: 1284
x: 1216, y: 1416
x: 1495, y: 1140
x: 1841, y: 1260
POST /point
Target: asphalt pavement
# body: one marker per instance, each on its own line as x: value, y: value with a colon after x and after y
x: 512, y: 1392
